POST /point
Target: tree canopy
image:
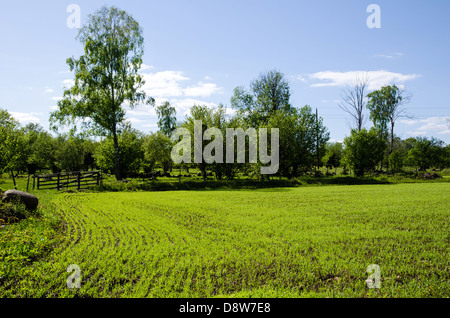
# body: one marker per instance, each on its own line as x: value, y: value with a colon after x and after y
x: 106, y: 76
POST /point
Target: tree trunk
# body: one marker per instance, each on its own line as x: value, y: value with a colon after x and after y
x: 392, y: 138
x: 14, y: 179
x: 359, y: 119
x: 317, y: 140
x: 117, y: 156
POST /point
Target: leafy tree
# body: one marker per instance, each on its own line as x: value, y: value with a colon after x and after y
x: 8, y: 126
x: 427, y: 153
x: 41, y: 148
x: 385, y: 109
x: 291, y: 155
x: 445, y: 159
x: 211, y: 118
x: 89, y: 155
x: 300, y: 132
x: 12, y: 145
x: 157, y: 150
x: 131, y: 153
x: 106, y: 76
x: 268, y: 93
x: 396, y: 160
x: 69, y: 155
x: 166, y: 118
x: 333, y: 155
x: 363, y: 150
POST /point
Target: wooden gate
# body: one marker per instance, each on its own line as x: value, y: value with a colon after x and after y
x: 77, y: 179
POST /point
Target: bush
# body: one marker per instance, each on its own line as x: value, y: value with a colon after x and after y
x: 14, y: 211
x: 428, y: 176
x: 363, y: 151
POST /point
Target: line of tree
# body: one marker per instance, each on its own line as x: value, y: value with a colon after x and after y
x: 107, y: 78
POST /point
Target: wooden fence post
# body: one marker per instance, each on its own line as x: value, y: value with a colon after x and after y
x: 79, y: 180
x: 58, y: 182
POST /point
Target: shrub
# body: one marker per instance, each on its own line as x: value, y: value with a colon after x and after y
x: 13, y: 212
x: 363, y: 151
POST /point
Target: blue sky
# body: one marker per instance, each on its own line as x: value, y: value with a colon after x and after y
x: 198, y: 51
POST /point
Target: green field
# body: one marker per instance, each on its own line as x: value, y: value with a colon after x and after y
x: 283, y: 242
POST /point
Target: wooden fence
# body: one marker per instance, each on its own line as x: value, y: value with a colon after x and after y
x: 77, y: 179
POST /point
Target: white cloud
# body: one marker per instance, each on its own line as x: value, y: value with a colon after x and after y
x: 164, y: 84
x: 183, y: 106
x: 377, y: 79
x: 435, y: 125
x: 334, y: 140
x: 48, y: 90
x: 230, y: 111
x: 330, y: 101
x: 390, y: 56
x: 134, y: 120
x: 56, y: 98
x: 300, y: 78
x: 145, y: 67
x: 416, y: 133
x: 26, y: 117
x: 142, y: 110
x: 68, y: 82
x: 201, y: 90
x: 169, y: 84
x: 150, y: 125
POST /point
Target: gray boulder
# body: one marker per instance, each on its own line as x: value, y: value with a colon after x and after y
x: 31, y: 202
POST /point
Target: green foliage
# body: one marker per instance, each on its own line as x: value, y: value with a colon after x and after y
x: 333, y: 155
x: 396, y: 161
x: 69, y: 154
x: 131, y: 152
x: 385, y: 108
x: 25, y: 238
x: 211, y: 118
x: 166, y: 118
x: 13, y: 144
x: 157, y: 149
x: 106, y: 76
x: 268, y: 93
x: 363, y: 150
x: 12, y: 212
x: 41, y: 148
x: 428, y: 153
x: 299, y: 134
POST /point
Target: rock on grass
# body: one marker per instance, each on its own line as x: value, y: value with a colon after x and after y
x: 31, y: 202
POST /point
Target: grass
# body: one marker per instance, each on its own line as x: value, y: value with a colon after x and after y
x: 274, y: 242
x: 26, y: 237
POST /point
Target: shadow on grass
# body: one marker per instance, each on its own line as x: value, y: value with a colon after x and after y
x: 268, y: 185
